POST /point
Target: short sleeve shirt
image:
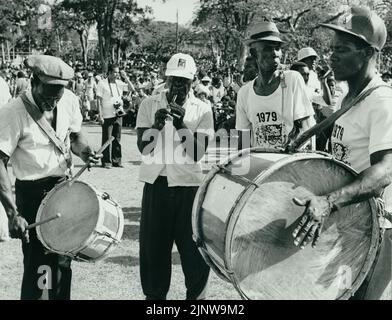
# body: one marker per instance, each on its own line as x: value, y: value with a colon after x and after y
x: 365, y: 129
x: 32, y: 154
x: 169, y: 156
x: 110, y: 94
x: 271, y: 118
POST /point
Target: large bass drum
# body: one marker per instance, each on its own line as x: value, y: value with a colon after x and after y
x: 243, y: 219
x: 91, y: 222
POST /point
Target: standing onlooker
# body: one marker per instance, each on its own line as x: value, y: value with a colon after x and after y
x: 310, y: 57
x: 250, y: 70
x: 205, y: 86
x: 90, y: 88
x: 22, y: 83
x: 218, y: 91
x: 110, y: 106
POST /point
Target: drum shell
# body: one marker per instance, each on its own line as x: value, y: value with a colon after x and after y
x: 216, y: 214
x: 106, y: 230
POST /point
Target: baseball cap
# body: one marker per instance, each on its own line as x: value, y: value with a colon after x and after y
x: 362, y: 23
x: 263, y: 31
x: 181, y: 65
x: 50, y: 69
x: 305, y: 53
x: 206, y: 78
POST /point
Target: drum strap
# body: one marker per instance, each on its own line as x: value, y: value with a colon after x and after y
x: 302, y: 139
x: 37, y: 116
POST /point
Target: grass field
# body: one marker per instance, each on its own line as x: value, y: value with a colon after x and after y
x: 117, y: 276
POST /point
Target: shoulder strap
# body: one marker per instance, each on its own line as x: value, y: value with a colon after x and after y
x: 43, y: 124
x: 301, y: 140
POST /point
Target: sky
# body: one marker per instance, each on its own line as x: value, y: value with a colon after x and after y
x: 167, y: 11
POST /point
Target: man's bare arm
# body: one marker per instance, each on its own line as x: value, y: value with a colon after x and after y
x: 6, y: 196
x: 369, y: 183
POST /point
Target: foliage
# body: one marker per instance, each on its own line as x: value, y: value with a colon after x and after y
x: 226, y: 23
x: 114, y: 20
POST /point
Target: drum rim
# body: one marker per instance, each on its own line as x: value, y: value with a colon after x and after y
x: 85, y: 243
x: 196, y: 227
x: 371, y: 254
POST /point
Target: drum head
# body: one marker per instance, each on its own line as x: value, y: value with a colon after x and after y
x: 265, y: 262
x: 79, y: 208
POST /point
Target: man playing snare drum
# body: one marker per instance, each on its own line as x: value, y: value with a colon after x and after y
x: 362, y: 138
x: 38, y: 166
x: 274, y: 107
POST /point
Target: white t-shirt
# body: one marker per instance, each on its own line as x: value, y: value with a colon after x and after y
x: 365, y: 129
x: 271, y: 118
x: 110, y: 96
x: 90, y: 87
x: 168, y: 157
x: 217, y: 94
x: 32, y: 154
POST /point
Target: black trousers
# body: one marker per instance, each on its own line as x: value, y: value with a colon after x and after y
x: 166, y: 217
x: 37, y: 263
x: 112, y: 128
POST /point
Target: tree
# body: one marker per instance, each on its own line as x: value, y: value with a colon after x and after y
x: 15, y: 16
x: 227, y: 23
x: 108, y: 15
x: 69, y: 19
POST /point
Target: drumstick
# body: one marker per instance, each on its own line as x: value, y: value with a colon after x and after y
x: 36, y: 224
x: 104, y: 146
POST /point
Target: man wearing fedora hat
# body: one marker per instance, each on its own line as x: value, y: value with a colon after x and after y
x: 362, y: 138
x: 274, y: 107
x: 29, y: 128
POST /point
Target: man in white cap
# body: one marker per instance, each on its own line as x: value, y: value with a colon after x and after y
x: 173, y: 130
x: 310, y: 57
x: 273, y: 108
x: 362, y: 138
x: 38, y: 130
x: 205, y: 85
x: 90, y: 89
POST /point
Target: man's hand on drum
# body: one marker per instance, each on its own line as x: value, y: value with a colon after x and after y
x: 17, y: 227
x: 89, y: 156
x: 317, y: 209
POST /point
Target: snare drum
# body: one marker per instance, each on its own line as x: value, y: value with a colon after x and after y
x: 243, y: 219
x: 91, y: 222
